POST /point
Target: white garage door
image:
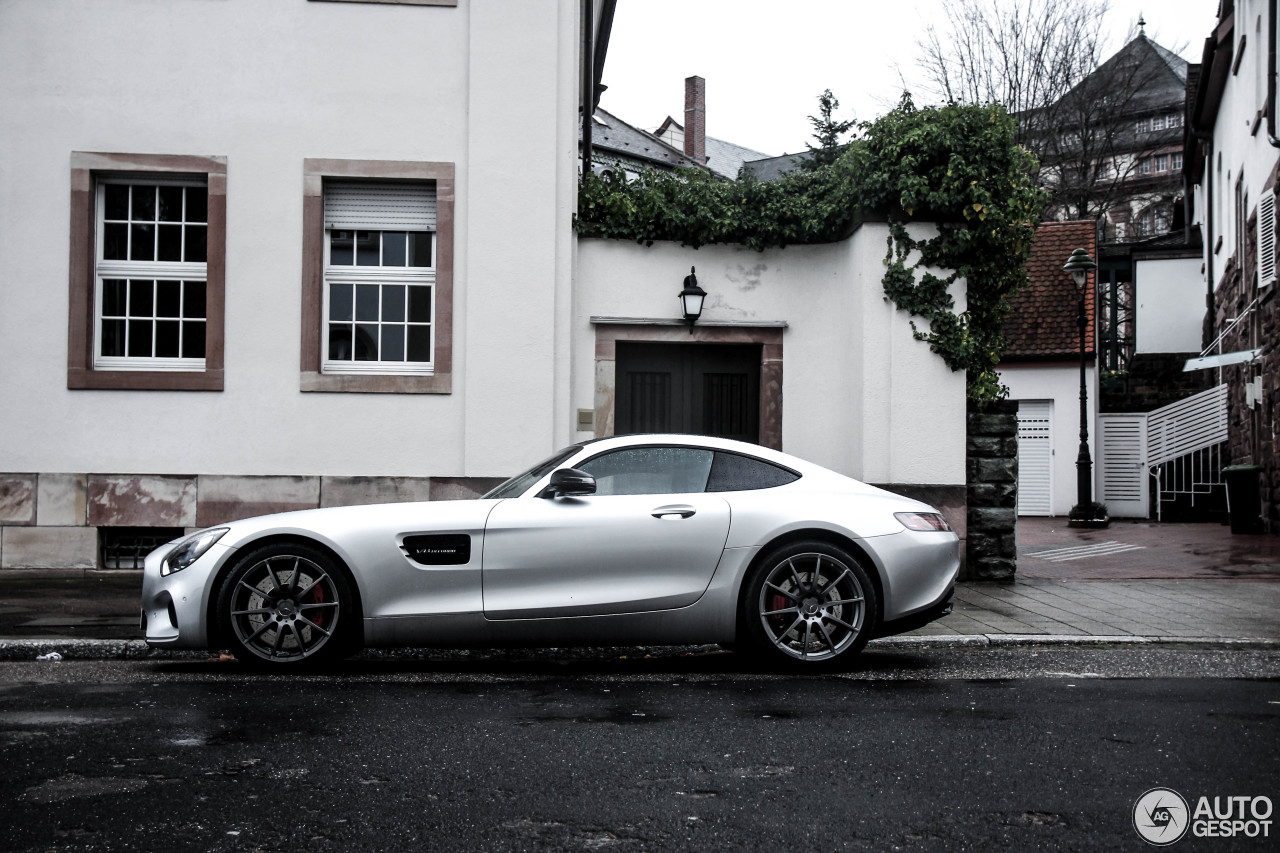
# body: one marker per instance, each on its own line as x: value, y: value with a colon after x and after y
x: 1035, y: 457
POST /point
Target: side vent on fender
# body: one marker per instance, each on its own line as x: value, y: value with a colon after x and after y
x: 438, y: 549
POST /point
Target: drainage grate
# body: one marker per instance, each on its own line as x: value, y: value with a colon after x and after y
x: 128, y: 547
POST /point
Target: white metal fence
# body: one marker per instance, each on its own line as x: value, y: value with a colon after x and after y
x: 1182, y: 446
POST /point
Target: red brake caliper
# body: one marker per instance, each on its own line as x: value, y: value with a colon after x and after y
x: 317, y: 615
x: 778, y: 602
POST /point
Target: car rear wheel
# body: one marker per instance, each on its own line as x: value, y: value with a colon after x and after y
x: 287, y: 604
x: 809, y: 604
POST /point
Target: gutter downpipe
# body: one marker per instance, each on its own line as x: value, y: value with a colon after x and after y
x: 1271, y: 74
x: 587, y: 94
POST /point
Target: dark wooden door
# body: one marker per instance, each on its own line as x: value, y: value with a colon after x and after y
x: 706, y: 389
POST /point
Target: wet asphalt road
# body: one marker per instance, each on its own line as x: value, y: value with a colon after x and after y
x: 942, y: 749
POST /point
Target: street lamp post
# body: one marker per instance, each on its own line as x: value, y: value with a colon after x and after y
x: 1086, y: 512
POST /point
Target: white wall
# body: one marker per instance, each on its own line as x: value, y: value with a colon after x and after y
x: 860, y: 395
x: 1237, y: 149
x: 489, y: 85
x: 1060, y: 382
x: 1170, y: 305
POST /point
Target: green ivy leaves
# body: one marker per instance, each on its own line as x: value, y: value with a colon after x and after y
x: 957, y: 166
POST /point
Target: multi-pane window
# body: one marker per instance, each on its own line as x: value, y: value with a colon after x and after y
x: 1162, y: 162
x: 1151, y: 124
x: 1176, y: 161
x: 379, y: 282
x: 150, y: 274
x: 1145, y: 166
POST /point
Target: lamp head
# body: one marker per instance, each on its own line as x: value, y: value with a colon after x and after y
x: 691, y: 298
x: 1080, y: 265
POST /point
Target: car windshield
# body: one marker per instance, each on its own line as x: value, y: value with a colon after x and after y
x: 520, y: 483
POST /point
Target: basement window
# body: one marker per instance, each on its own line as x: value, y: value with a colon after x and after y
x: 128, y: 547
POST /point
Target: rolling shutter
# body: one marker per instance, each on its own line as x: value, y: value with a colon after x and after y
x: 1035, y: 458
x: 375, y: 206
x: 1266, y: 239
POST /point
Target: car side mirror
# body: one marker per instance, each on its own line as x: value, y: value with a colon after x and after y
x: 569, y: 482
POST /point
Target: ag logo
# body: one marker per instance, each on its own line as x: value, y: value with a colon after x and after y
x: 1161, y: 816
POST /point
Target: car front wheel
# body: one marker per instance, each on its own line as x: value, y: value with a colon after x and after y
x: 809, y: 603
x: 286, y: 604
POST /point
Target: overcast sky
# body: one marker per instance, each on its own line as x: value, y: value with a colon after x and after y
x: 766, y: 62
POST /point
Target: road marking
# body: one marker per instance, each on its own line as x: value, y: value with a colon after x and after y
x: 1080, y: 552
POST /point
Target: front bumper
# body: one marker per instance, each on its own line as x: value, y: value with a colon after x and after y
x: 175, y: 607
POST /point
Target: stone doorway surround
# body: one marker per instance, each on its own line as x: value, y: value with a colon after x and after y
x: 610, y: 330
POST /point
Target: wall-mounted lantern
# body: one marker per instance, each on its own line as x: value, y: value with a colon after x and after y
x: 691, y: 299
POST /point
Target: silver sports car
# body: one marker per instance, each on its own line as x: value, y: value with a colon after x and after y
x: 653, y: 539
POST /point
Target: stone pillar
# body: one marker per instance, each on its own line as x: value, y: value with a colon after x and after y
x: 992, y: 473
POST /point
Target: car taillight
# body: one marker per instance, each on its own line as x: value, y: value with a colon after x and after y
x: 925, y: 521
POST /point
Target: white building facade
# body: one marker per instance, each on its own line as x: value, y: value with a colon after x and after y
x: 177, y: 368
x: 1233, y: 164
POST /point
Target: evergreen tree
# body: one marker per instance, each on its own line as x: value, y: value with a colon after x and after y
x: 827, y: 132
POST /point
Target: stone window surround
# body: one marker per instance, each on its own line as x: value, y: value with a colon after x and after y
x: 314, y: 173
x: 610, y: 330
x: 85, y: 166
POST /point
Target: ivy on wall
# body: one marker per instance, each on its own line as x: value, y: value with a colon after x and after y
x: 957, y: 166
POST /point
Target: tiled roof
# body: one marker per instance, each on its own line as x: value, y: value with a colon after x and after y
x: 772, y: 168
x: 726, y: 158
x: 1042, y: 318
x: 723, y: 158
x: 611, y: 133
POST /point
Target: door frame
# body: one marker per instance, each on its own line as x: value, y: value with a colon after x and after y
x: 767, y: 335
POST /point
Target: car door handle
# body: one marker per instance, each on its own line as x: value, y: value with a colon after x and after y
x: 682, y: 510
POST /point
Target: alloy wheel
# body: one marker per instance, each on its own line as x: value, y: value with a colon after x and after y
x: 812, y: 606
x: 284, y: 608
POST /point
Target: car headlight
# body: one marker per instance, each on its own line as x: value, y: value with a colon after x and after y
x: 190, y: 549
x: 924, y: 521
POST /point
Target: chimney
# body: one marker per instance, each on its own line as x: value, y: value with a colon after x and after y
x: 695, y: 119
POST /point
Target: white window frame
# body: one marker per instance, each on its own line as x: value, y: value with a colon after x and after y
x: 152, y: 270
x: 356, y: 275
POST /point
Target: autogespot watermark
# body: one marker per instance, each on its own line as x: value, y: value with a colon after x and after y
x: 1162, y: 817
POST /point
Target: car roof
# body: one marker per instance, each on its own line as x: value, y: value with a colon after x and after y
x: 709, y: 442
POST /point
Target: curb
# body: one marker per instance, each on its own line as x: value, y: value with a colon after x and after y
x: 1011, y: 640
x: 81, y: 649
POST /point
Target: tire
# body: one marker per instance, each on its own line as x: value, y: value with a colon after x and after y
x: 288, y: 604
x: 808, y: 604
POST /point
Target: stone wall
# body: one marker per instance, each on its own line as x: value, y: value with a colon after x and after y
x: 53, y: 521
x: 992, y: 492
x: 1252, y: 425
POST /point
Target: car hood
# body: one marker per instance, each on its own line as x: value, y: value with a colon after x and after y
x: 335, y: 525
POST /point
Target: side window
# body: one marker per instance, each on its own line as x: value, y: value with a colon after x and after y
x: 733, y: 473
x: 650, y: 471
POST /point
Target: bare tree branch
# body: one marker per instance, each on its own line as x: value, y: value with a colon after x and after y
x: 1043, y: 62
